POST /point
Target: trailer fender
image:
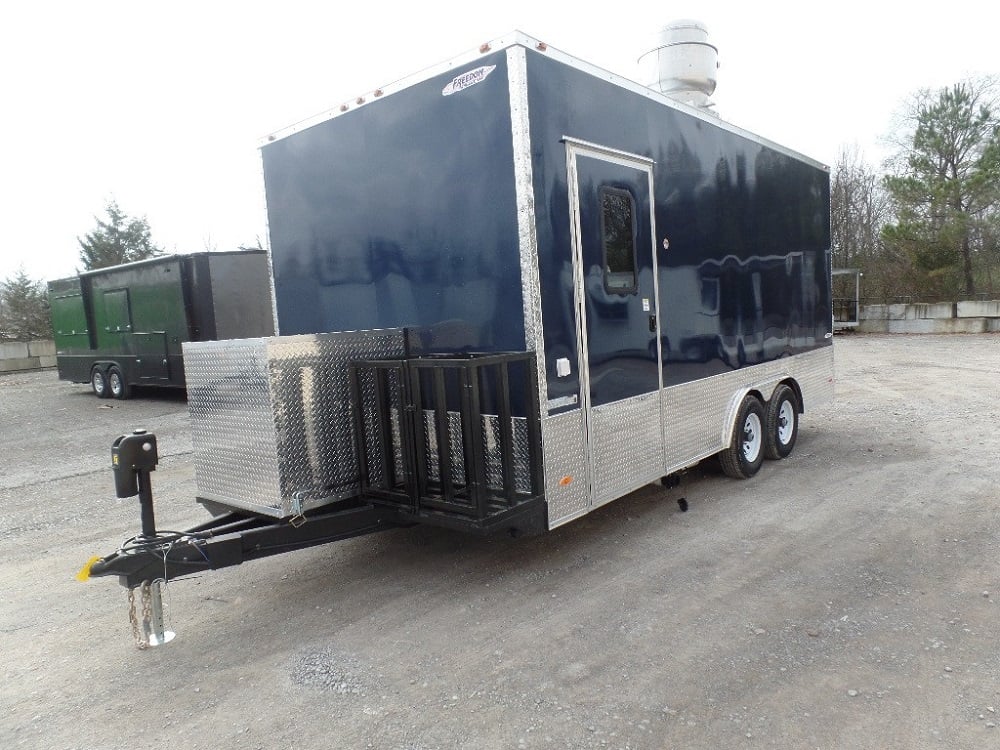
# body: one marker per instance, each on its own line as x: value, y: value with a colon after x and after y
x: 734, y: 406
x: 763, y: 390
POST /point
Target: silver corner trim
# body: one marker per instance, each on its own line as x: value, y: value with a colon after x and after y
x: 520, y: 126
x: 267, y: 246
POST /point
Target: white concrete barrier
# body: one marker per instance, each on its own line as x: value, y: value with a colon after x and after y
x: 979, y: 309
x: 30, y: 355
x: 42, y: 348
x: 972, y: 316
x: 13, y: 350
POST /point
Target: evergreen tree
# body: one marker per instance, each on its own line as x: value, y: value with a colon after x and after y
x: 119, y: 239
x: 24, y: 309
x: 947, y: 188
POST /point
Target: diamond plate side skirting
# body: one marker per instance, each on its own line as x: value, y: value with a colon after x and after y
x: 565, y: 456
x: 698, y: 416
x: 696, y: 422
x: 627, y: 446
x: 271, y: 421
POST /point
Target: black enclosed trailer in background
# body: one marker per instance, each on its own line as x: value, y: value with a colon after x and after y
x: 123, y: 326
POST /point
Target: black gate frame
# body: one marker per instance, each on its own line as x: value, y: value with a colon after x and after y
x: 474, y: 505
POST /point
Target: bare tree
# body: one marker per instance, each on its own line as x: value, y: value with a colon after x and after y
x: 859, y: 209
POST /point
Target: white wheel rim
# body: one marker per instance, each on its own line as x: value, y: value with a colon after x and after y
x: 786, y: 422
x: 98, y: 382
x: 116, y: 384
x: 751, y: 438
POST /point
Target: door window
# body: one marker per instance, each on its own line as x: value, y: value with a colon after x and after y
x: 618, y: 233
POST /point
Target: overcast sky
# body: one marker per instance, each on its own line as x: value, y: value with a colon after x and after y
x: 161, y: 106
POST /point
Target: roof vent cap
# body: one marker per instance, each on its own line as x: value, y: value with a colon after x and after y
x: 682, y: 64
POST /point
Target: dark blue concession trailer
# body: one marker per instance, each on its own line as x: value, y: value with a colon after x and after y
x: 509, y: 291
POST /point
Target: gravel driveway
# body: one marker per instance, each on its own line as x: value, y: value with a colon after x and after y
x: 843, y: 598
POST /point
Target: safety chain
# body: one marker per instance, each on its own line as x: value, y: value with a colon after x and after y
x: 140, y: 632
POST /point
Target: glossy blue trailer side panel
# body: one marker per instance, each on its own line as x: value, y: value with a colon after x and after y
x: 402, y: 213
x: 745, y: 279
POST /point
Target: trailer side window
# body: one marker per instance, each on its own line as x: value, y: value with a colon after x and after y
x: 618, y: 232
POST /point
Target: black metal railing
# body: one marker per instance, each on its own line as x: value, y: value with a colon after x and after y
x: 452, y: 435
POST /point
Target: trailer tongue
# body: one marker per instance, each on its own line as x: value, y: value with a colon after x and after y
x: 147, y: 561
x: 228, y: 539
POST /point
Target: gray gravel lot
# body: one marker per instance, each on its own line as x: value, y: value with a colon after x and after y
x: 843, y: 598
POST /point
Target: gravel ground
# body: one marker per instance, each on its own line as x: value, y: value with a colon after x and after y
x: 843, y: 598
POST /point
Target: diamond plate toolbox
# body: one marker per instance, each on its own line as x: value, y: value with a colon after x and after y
x: 271, y: 421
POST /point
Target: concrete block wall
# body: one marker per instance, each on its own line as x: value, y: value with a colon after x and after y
x: 27, y: 355
x: 978, y: 309
x: 973, y: 316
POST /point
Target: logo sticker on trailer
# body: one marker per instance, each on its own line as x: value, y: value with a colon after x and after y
x: 464, y: 81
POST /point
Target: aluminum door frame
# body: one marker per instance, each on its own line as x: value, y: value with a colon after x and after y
x: 575, y: 148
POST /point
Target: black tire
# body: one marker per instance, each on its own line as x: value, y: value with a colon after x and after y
x: 99, y: 383
x: 782, y: 427
x: 745, y: 454
x: 117, y: 385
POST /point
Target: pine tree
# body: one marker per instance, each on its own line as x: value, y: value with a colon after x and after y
x: 119, y: 239
x: 947, y: 191
x: 24, y: 309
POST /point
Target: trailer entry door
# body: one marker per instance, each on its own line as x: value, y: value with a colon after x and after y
x: 152, y: 362
x: 616, y: 306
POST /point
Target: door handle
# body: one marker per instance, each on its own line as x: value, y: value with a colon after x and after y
x: 652, y: 324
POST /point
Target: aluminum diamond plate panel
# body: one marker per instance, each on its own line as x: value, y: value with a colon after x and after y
x: 565, y: 459
x: 698, y: 416
x: 232, y: 427
x: 696, y: 421
x: 271, y: 420
x: 627, y: 446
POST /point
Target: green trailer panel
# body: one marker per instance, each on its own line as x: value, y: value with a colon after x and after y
x: 125, y: 325
x: 70, y: 327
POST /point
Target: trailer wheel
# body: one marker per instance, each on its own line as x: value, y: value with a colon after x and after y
x: 745, y: 454
x: 117, y: 385
x: 99, y: 383
x: 782, y: 423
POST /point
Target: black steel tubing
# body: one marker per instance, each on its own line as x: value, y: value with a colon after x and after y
x: 147, y: 518
x: 443, y: 435
x: 424, y: 388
